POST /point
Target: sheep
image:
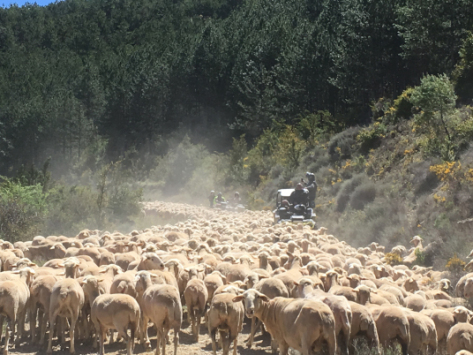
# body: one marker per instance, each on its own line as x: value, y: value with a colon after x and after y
x: 363, y: 323
x: 422, y: 333
x: 67, y: 299
x: 271, y: 288
x: 334, y: 287
x: 225, y: 316
x: 444, y: 321
x: 14, y: 296
x: 124, y: 283
x: 340, y: 308
x: 297, y: 323
x: 392, y: 324
x: 41, y: 289
x: 415, y: 302
x: 460, y: 337
x: 196, y: 296
x: 113, y: 311
x: 212, y: 282
x: 162, y: 305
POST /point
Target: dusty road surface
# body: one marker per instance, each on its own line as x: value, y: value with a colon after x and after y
x: 187, y: 345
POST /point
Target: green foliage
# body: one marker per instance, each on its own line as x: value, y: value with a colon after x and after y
x: 435, y: 94
x: 463, y: 73
x: 420, y: 257
x: 401, y: 107
x: 316, y: 125
x: 341, y: 145
x: 84, y: 78
x: 22, y: 210
x: 238, y: 156
x: 370, y: 137
x: 71, y: 209
x: 435, y: 98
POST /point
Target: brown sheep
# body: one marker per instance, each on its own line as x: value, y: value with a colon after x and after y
x: 460, y: 337
x: 300, y: 324
x: 162, y: 305
x: 392, y: 324
x: 227, y: 317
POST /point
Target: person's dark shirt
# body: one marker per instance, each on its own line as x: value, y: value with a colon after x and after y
x: 312, y: 188
x: 299, y: 197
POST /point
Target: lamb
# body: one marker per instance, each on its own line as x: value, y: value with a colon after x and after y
x: 297, y: 323
x: 162, y: 305
x: 113, y: 311
x: 225, y: 316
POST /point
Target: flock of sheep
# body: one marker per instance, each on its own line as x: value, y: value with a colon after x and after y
x: 309, y: 290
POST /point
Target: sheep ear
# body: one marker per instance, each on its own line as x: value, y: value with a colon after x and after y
x: 263, y: 297
x: 186, y: 269
x: 53, y: 247
x: 238, y: 298
x: 102, y: 271
x: 296, y: 283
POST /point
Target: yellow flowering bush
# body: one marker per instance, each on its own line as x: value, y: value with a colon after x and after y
x: 392, y: 259
x: 447, y: 172
x: 455, y: 264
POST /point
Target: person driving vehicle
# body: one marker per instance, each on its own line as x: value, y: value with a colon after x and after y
x: 299, y: 196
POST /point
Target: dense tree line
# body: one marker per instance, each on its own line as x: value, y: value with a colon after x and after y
x: 82, y: 79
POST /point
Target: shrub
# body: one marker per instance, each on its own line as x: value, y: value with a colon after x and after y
x: 420, y: 257
x: 22, y: 210
x: 392, y: 259
x: 71, y: 209
x: 401, y: 108
x: 463, y: 73
x: 341, y: 145
x: 455, y: 264
x: 380, y: 107
x: 363, y: 195
x: 315, y: 125
x: 370, y: 137
x: 435, y: 98
x: 343, y: 196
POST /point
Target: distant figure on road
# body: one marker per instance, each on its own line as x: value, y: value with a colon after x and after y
x: 211, y: 198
